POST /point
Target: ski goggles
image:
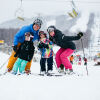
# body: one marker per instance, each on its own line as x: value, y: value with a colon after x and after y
x: 37, y: 23
x: 42, y: 32
x: 50, y: 30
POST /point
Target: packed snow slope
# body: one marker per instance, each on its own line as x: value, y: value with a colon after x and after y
x: 31, y: 87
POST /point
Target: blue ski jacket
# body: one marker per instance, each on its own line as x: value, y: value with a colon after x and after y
x: 20, y: 35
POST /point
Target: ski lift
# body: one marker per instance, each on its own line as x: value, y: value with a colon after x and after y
x: 19, y: 13
x: 1, y: 41
x: 73, y: 13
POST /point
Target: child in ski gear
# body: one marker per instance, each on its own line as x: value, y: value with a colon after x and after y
x: 24, y: 54
x: 66, y: 44
x: 45, y: 47
x: 19, y: 39
x: 71, y: 59
x: 79, y: 62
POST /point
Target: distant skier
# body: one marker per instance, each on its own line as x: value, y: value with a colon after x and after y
x: 20, y: 37
x: 67, y: 47
x: 71, y: 59
x: 24, y: 54
x: 46, y: 49
x: 85, y: 61
x: 79, y: 60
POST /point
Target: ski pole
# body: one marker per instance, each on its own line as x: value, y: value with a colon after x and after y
x: 54, y: 64
x: 84, y: 55
x: 4, y: 63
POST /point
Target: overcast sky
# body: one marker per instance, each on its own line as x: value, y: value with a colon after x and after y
x: 46, y: 7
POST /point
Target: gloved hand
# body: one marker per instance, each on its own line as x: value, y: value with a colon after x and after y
x: 28, y: 71
x: 50, y: 38
x: 46, y: 46
x: 15, y: 48
x: 15, y: 55
x: 80, y: 34
x: 42, y: 45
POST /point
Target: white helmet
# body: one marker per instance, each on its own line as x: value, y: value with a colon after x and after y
x: 38, y: 22
x: 51, y: 28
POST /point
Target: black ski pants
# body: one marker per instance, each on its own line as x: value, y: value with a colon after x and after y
x: 49, y: 64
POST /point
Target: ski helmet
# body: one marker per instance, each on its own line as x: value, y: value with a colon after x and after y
x: 38, y: 22
x: 51, y: 28
x: 42, y: 32
x: 27, y: 34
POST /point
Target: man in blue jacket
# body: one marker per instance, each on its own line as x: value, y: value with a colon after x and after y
x: 19, y: 38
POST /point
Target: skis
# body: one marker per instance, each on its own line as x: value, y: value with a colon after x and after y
x: 3, y: 73
x: 48, y: 74
x: 56, y: 74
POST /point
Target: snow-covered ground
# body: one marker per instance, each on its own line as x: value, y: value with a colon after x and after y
x: 33, y: 87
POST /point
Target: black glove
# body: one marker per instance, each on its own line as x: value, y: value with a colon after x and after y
x: 15, y: 55
x: 15, y: 48
x: 41, y: 45
x: 50, y: 38
x: 46, y: 46
x: 80, y: 34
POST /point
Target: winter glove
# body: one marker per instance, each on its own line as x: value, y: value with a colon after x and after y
x: 52, y: 39
x: 41, y: 45
x: 46, y: 46
x: 15, y: 55
x: 15, y: 48
x: 80, y: 34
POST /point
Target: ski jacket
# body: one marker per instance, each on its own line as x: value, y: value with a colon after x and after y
x: 20, y: 35
x: 25, y: 51
x: 64, y: 41
x: 46, y: 52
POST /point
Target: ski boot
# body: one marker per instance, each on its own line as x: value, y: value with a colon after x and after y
x: 66, y: 71
x: 49, y: 73
x: 70, y: 72
x: 42, y: 73
x: 8, y: 70
x: 21, y: 73
x: 14, y: 72
x: 28, y: 71
x: 61, y: 69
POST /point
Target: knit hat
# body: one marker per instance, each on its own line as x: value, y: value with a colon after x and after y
x: 38, y: 22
